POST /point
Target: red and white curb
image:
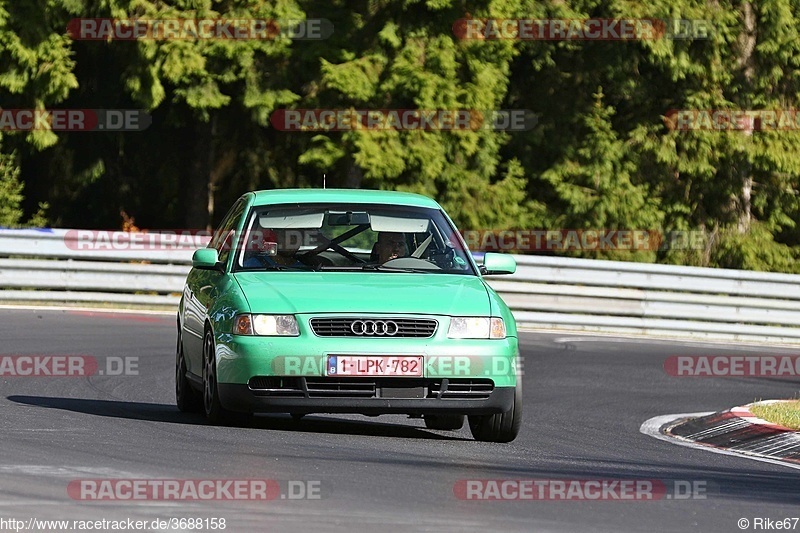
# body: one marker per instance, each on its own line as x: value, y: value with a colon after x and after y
x: 736, y: 432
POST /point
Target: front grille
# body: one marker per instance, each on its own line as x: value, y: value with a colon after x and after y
x: 372, y: 327
x: 474, y: 389
x: 340, y: 387
x: 367, y: 387
x: 407, y: 388
x: 276, y: 386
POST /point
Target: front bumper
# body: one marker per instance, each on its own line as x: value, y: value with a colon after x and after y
x: 239, y: 358
x: 288, y: 374
x: 244, y: 399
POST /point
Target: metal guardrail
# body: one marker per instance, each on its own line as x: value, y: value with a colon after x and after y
x: 626, y: 297
x: 545, y: 293
x: 93, y: 245
x: 96, y: 267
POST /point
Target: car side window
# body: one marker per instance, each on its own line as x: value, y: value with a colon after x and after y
x: 224, y: 238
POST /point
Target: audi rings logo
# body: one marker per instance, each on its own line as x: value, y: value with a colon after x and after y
x: 381, y: 328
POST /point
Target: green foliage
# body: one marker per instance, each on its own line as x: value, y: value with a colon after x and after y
x: 757, y: 250
x: 10, y: 192
x: 595, y: 186
x: 11, y: 197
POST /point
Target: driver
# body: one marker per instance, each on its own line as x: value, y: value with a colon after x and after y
x: 390, y: 246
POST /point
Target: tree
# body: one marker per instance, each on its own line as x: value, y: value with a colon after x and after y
x: 36, y: 66
x: 404, y: 55
x: 595, y: 186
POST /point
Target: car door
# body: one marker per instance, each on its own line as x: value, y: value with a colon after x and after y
x: 201, y: 287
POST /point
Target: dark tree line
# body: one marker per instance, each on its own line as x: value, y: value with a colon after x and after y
x: 600, y: 156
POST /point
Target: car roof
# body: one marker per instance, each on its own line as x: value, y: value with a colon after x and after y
x: 355, y: 196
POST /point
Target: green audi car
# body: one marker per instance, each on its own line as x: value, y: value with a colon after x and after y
x: 347, y: 301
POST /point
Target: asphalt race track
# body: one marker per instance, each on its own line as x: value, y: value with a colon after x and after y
x: 585, y: 400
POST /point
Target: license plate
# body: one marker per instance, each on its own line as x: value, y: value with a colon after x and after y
x: 374, y: 365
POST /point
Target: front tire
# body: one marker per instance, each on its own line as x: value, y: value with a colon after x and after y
x: 502, y: 427
x: 186, y: 398
x: 215, y: 413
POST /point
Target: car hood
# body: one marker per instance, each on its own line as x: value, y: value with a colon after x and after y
x: 364, y: 292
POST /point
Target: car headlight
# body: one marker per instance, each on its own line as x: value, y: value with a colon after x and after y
x: 267, y: 325
x: 477, y: 328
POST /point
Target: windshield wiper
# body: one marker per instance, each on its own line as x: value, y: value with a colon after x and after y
x: 385, y: 268
x: 293, y: 268
x: 270, y: 268
x: 374, y: 268
x: 359, y: 268
x: 350, y: 268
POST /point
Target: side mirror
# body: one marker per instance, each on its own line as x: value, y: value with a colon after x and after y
x: 206, y: 259
x: 494, y: 263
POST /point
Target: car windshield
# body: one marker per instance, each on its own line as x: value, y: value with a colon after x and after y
x: 351, y: 237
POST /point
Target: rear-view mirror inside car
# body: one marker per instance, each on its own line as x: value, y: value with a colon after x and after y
x: 349, y: 218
